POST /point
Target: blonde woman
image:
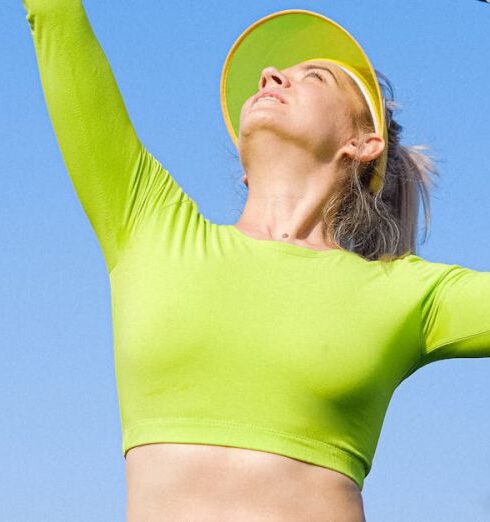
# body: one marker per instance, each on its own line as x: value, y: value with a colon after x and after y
x: 255, y: 361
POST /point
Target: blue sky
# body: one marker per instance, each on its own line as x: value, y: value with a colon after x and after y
x: 60, y: 431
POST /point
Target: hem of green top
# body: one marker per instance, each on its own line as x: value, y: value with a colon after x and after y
x: 238, y: 434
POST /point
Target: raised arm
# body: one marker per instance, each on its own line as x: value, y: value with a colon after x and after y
x: 112, y: 172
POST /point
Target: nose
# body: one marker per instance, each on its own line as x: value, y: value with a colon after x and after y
x: 272, y: 75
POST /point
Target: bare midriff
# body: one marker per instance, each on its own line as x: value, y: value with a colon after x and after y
x: 207, y: 483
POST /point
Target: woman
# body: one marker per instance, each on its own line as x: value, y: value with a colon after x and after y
x: 255, y: 361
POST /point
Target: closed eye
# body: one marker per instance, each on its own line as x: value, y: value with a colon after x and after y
x: 317, y: 75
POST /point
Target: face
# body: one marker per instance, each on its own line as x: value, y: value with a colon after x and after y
x: 316, y: 115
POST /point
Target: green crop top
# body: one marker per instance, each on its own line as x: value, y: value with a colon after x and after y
x: 223, y: 339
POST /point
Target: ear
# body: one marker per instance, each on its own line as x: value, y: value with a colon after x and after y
x: 372, y: 147
x: 245, y: 180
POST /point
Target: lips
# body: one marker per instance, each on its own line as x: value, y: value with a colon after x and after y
x: 273, y: 94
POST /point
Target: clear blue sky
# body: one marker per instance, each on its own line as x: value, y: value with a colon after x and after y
x: 59, y: 428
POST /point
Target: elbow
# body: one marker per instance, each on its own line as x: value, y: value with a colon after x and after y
x: 40, y: 9
x: 43, y: 7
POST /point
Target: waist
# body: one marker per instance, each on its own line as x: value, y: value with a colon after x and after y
x: 213, y: 482
x: 332, y: 452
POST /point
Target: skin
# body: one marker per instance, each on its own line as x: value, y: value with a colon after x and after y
x: 292, y: 156
x: 206, y: 483
x: 292, y: 153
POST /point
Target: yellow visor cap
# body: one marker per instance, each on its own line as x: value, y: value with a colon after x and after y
x: 285, y: 38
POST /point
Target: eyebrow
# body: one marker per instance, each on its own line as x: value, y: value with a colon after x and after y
x: 308, y: 66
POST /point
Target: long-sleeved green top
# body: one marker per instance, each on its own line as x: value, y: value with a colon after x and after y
x: 224, y: 339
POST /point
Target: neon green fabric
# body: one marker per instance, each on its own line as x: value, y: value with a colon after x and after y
x: 220, y: 338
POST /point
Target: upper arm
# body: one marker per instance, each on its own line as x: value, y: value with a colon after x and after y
x: 456, y: 315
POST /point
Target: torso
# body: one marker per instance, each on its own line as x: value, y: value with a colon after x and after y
x: 208, y: 483
x: 204, y: 483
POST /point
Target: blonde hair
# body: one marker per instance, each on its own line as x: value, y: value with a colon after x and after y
x: 382, y: 226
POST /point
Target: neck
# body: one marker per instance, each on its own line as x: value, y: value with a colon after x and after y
x: 285, y: 199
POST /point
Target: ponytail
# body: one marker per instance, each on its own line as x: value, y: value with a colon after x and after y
x: 382, y: 226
